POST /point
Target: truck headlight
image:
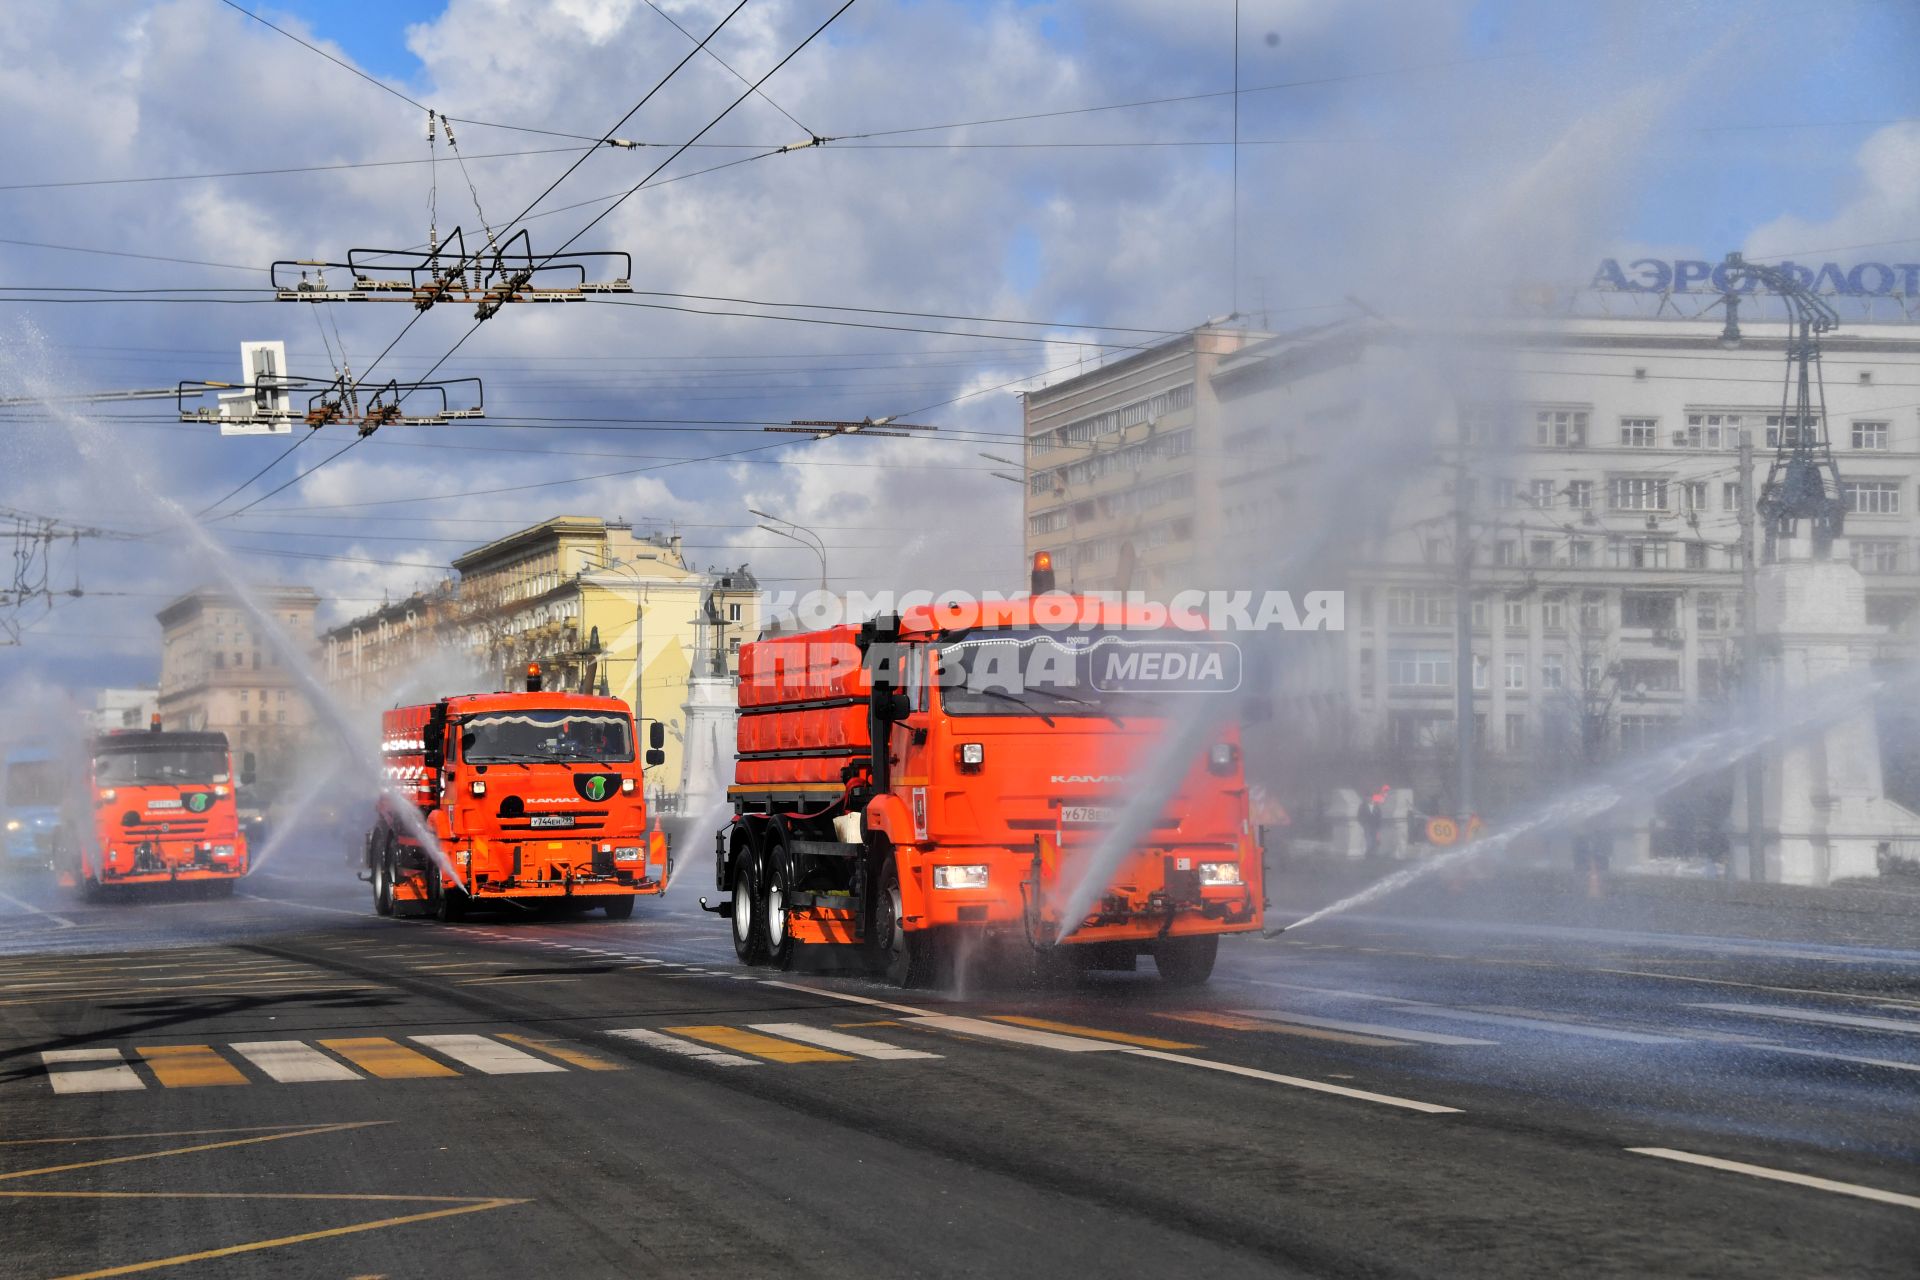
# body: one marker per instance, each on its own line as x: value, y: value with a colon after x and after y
x: 13, y: 824
x: 1220, y: 873
x: 1223, y: 756
x: 478, y: 787
x: 973, y: 876
x: 223, y: 851
x: 627, y: 853
x: 970, y: 756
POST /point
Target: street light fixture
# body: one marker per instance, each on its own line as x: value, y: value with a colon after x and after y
x: 818, y: 547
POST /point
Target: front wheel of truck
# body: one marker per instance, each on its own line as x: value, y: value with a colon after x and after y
x: 749, y: 944
x: 907, y: 954
x: 1186, y: 962
x: 619, y: 908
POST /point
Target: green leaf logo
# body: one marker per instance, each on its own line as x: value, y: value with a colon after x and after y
x: 596, y: 788
x: 198, y: 802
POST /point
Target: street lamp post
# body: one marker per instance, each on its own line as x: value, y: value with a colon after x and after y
x: 639, y: 622
x: 818, y: 547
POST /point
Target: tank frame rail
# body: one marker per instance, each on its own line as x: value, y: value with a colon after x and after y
x: 334, y: 401
x: 489, y: 278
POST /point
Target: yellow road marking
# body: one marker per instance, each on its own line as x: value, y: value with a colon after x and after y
x: 774, y: 1050
x: 880, y: 1022
x: 1095, y: 1033
x: 189, y: 1066
x: 387, y: 1059
x: 1234, y: 1022
x: 126, y: 1137
x: 555, y: 1050
x: 254, y: 1246
x: 307, y: 1131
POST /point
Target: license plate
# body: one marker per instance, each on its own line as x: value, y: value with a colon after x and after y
x: 1087, y: 815
x: 550, y: 820
x: 163, y: 804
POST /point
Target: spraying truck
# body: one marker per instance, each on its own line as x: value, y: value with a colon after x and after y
x: 960, y: 772
x: 519, y: 797
x: 162, y: 812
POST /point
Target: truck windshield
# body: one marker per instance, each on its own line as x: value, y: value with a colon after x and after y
x: 32, y: 782
x: 538, y: 734
x: 1092, y: 672
x: 159, y: 764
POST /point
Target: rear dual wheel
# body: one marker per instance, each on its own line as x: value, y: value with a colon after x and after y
x: 383, y: 882
x: 749, y: 941
x: 774, y: 921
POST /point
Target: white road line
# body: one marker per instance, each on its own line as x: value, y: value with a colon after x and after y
x: 1537, y: 1024
x: 62, y: 921
x: 1781, y: 1175
x: 1295, y: 1082
x: 844, y: 995
x: 1908, y: 1025
x: 1018, y: 1035
x: 1837, y: 1057
x: 113, y: 1079
x: 489, y: 1056
x: 860, y: 1046
x: 1364, y: 1028
x: 685, y: 1048
x: 292, y: 1062
x: 308, y: 906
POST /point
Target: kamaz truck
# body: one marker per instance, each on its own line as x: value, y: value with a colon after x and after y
x: 160, y: 811
x: 524, y: 798
x: 965, y: 771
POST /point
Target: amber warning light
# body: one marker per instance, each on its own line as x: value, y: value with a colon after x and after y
x: 1042, y: 572
x: 533, y: 677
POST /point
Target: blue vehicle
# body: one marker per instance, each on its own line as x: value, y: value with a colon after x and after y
x: 32, y: 793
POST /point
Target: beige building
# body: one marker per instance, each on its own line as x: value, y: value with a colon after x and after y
x: 219, y: 673
x: 381, y: 656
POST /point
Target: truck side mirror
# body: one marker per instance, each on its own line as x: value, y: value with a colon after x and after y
x: 656, y: 737
x: 894, y: 705
x: 655, y: 756
x: 247, y: 768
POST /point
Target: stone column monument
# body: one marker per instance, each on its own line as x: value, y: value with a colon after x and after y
x: 710, y: 712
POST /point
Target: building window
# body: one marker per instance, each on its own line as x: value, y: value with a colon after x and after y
x: 246, y: 716
x: 1553, y: 612
x: 1563, y: 428
x: 1593, y: 612
x: 1797, y: 430
x: 1871, y: 497
x: 1706, y: 611
x: 1580, y: 552
x: 1419, y: 607
x: 1553, y: 671
x: 1419, y: 668
x: 1478, y: 613
x: 1693, y: 495
x: 1516, y: 732
x: 1712, y: 431
x: 1540, y: 551
x: 1870, y: 435
x: 1419, y: 730
x: 1637, y: 553
x: 1890, y: 612
x: 1580, y: 494
x: 1647, y: 609
x: 1480, y: 671
x: 733, y: 613
x: 1516, y: 672
x: 1516, y: 613
x: 1730, y: 496
x: 1506, y: 552
x: 1639, y: 433
x: 1650, y: 675
x: 1540, y: 493
x: 1505, y: 494
x: 1696, y: 555
x: 1876, y: 555
x: 1637, y: 493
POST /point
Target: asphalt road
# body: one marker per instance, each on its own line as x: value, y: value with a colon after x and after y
x: 284, y: 1081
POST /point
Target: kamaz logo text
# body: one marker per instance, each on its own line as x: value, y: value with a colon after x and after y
x: 1089, y: 779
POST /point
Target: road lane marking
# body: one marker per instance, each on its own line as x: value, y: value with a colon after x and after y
x: 62, y: 921
x: 839, y: 1041
x: 554, y: 1049
x: 108, y: 1079
x: 1906, y: 1025
x: 1536, y: 1024
x: 1018, y: 1035
x: 189, y: 1066
x: 847, y: 996
x: 768, y: 1047
x: 1781, y: 1175
x: 388, y: 1059
x: 1836, y: 1057
x: 1095, y: 1033
x: 1235, y: 1022
x: 1363, y: 1028
x: 685, y: 1048
x: 1296, y: 1082
x: 293, y: 1062
x: 485, y: 1055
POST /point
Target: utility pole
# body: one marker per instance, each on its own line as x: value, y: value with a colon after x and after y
x: 1754, y: 765
x: 1462, y: 641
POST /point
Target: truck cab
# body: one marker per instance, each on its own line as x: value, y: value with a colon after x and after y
x: 162, y: 811
x: 521, y: 796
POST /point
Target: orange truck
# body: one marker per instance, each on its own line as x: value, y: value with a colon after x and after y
x: 953, y: 771
x: 162, y: 812
x: 530, y: 797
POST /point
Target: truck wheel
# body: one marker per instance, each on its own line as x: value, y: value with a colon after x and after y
x: 449, y: 905
x: 220, y: 888
x: 620, y: 908
x: 907, y: 954
x: 90, y: 890
x: 774, y: 910
x: 383, y: 883
x: 749, y: 944
x: 1186, y: 962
